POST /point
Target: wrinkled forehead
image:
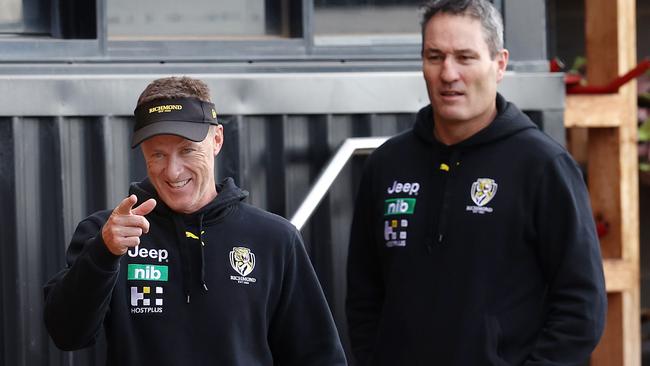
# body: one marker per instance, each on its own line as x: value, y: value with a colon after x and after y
x: 453, y: 33
x: 168, y: 142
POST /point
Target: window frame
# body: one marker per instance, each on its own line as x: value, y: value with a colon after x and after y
x: 300, y: 45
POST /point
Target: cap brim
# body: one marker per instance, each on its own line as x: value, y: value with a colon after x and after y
x: 190, y: 130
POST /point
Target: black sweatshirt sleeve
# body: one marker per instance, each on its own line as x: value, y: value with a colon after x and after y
x: 365, y: 292
x: 302, y: 330
x: 77, y: 298
x: 569, y: 253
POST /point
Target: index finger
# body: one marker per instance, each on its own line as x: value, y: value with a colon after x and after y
x: 124, y: 208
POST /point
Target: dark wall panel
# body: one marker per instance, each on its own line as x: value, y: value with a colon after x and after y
x: 8, y: 290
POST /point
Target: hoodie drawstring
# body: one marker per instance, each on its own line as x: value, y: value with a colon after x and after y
x: 448, y: 164
x: 186, y: 270
x: 185, y: 249
x: 205, y: 287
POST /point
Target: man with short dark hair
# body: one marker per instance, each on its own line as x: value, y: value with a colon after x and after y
x: 473, y: 241
x: 191, y: 275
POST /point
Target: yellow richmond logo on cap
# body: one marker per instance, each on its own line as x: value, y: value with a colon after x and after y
x: 214, y: 114
x: 165, y: 108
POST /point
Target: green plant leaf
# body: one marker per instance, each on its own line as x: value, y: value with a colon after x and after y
x: 644, y: 131
x: 644, y: 167
x: 578, y: 64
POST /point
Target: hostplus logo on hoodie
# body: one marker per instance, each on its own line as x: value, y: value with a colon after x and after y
x: 142, y: 299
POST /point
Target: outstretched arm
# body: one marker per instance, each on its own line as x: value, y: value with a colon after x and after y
x: 77, y: 298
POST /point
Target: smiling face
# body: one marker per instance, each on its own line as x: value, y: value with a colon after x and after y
x: 460, y: 74
x: 182, y: 171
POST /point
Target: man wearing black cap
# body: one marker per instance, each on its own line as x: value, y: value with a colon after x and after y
x: 192, y: 275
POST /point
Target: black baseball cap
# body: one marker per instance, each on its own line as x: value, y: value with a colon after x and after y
x: 186, y: 117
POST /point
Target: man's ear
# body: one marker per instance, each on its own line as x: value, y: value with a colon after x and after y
x: 502, y: 63
x: 218, y: 138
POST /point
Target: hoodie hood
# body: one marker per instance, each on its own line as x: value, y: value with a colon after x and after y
x: 509, y: 120
x: 228, y: 196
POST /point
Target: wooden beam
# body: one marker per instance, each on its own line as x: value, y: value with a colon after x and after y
x: 610, y: 351
x: 614, y: 348
x: 611, y: 51
x: 602, y: 40
x: 632, y: 327
x: 600, y: 110
x: 603, y: 180
x: 577, y: 140
x: 628, y: 131
x: 620, y: 275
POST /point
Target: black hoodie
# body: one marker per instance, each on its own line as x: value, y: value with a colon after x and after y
x: 227, y: 285
x: 479, y: 253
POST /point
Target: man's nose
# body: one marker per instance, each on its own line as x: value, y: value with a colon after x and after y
x: 174, y: 167
x: 449, y: 72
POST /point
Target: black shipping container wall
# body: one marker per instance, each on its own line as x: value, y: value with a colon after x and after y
x: 64, y: 153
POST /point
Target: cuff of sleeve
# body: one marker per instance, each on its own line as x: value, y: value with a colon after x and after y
x: 102, y: 257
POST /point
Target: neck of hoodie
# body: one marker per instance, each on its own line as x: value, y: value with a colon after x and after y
x: 227, y: 194
x: 508, y: 120
x: 451, y: 132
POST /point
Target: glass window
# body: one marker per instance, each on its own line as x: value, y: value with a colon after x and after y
x: 366, y: 17
x: 24, y: 17
x: 194, y: 19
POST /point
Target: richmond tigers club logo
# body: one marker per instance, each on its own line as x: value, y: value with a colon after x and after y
x: 483, y: 190
x: 242, y: 260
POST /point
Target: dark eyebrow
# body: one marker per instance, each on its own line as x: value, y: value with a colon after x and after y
x: 432, y: 50
x: 455, y: 52
x: 188, y: 143
x: 156, y: 151
x: 465, y: 51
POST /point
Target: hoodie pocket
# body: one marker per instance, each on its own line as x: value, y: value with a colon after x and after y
x: 493, y: 342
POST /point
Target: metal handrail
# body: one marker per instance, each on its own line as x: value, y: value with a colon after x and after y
x: 349, y: 148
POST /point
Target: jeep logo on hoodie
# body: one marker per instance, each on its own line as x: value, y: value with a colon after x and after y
x: 410, y: 188
x: 159, y: 254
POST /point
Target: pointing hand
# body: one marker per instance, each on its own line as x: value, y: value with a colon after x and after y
x: 126, y: 224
